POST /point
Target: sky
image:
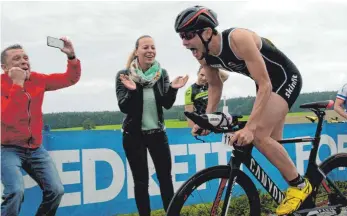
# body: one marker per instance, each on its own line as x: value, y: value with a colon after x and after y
x: 311, y: 33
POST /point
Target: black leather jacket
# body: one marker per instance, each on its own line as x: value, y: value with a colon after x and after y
x: 130, y: 102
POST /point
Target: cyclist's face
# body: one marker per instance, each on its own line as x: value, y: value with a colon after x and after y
x: 146, y: 52
x: 195, y: 44
x: 201, y: 77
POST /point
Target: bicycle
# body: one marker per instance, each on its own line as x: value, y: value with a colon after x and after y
x: 336, y: 120
x: 230, y: 176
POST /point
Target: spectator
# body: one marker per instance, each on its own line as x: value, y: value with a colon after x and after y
x: 142, y: 90
x: 196, y: 95
x: 341, y: 102
x: 22, y: 92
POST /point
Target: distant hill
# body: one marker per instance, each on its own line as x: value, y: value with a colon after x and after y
x: 241, y: 105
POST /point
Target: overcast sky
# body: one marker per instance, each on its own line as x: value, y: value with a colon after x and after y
x: 313, y: 34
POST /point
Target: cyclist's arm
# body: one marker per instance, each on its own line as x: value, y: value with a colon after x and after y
x: 341, y: 98
x: 338, y: 107
x: 215, y: 87
x: 189, y: 104
x: 246, y: 48
x: 223, y: 75
x: 189, y: 108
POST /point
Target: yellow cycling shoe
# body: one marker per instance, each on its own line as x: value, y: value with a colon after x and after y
x: 294, y: 198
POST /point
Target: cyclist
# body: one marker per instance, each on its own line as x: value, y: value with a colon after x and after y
x: 278, y: 84
x: 197, y: 94
x: 340, y: 105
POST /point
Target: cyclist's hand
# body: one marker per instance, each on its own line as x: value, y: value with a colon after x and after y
x: 196, y: 131
x: 243, y: 137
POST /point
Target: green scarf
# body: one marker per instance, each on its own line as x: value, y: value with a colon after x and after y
x: 149, y: 77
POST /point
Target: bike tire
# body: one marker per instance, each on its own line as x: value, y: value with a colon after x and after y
x: 331, y: 163
x: 337, y: 160
x: 208, y: 174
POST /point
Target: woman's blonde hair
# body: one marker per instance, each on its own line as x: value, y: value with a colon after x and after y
x: 132, y: 55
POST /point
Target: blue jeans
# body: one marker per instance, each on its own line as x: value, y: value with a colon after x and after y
x: 39, y: 165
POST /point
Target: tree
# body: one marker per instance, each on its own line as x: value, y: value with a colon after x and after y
x: 88, y: 124
x: 181, y: 116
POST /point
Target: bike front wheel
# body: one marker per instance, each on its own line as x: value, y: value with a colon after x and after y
x: 197, y: 195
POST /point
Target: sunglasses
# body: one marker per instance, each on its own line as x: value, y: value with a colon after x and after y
x: 190, y: 35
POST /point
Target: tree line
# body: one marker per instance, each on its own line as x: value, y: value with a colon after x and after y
x: 241, y: 105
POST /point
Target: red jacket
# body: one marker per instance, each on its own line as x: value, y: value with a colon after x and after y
x: 21, y: 108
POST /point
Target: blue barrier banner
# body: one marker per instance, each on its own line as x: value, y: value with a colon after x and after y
x: 98, y: 181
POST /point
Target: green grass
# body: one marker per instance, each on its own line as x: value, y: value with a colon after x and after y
x: 239, y: 205
x: 301, y: 114
x: 171, y: 123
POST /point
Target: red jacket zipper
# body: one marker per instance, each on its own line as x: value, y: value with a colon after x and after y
x: 29, y: 116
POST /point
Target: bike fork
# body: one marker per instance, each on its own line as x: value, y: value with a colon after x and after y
x: 231, y: 182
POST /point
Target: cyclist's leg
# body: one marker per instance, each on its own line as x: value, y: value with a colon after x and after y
x: 282, y: 101
x: 273, y: 115
x: 277, y: 133
x: 271, y: 119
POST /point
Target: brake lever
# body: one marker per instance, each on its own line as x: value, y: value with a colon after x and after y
x: 217, y: 131
x: 228, y: 130
x: 197, y: 138
x: 199, y: 131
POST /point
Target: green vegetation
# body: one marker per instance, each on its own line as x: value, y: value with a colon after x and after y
x: 171, y: 123
x: 88, y: 124
x: 111, y: 120
x: 240, y: 205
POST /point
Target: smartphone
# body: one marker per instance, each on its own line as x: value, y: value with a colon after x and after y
x: 55, y: 42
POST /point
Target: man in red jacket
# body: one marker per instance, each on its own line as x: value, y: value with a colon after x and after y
x: 22, y: 94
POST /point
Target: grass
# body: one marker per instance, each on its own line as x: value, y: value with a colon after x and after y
x: 239, y: 205
x: 171, y: 123
x: 101, y: 127
x: 300, y: 114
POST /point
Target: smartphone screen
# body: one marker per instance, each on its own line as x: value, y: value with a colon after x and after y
x: 55, y: 42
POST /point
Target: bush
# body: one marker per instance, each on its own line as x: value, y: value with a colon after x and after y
x: 181, y: 116
x: 88, y: 124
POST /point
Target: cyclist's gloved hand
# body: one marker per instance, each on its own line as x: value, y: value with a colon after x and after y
x: 197, y: 131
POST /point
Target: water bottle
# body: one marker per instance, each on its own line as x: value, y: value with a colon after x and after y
x: 218, y: 120
x: 226, y: 111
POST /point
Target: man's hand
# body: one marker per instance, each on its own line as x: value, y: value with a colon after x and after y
x: 68, y: 47
x: 195, y: 130
x: 18, y: 75
x: 243, y: 137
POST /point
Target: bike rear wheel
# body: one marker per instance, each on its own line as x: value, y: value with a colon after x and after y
x: 335, y: 168
x: 199, y: 192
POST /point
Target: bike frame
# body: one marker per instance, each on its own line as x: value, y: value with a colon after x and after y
x: 243, y: 155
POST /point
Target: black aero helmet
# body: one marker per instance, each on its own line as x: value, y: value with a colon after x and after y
x: 195, y: 18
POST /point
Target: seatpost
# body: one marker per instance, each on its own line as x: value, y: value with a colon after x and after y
x: 313, y: 155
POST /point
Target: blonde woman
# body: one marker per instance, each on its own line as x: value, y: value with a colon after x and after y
x: 143, y: 89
